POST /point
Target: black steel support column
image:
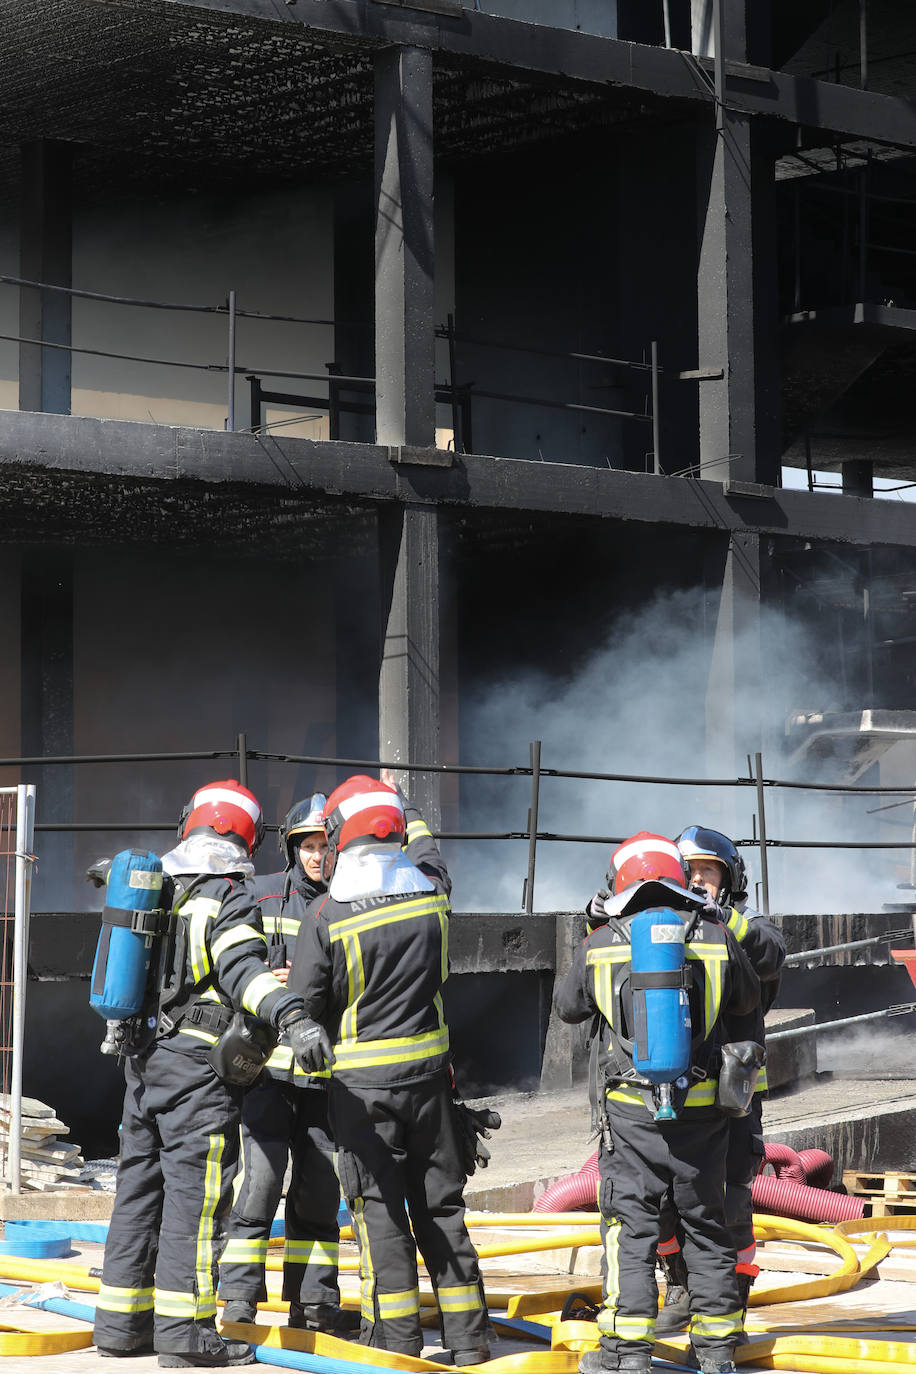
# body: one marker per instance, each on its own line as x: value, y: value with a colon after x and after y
x: 409, y: 673
x: 404, y: 319
x: 45, y: 254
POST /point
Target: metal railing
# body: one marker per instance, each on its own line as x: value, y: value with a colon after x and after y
x: 458, y: 396
x: 242, y: 755
x: 17, y: 822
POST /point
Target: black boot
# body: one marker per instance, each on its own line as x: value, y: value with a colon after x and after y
x: 232, y: 1353
x: 240, y: 1310
x: 675, y: 1310
x: 323, y: 1316
x: 714, y: 1364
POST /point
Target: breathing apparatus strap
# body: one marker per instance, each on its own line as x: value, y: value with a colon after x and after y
x: 157, y: 922
x: 179, y: 995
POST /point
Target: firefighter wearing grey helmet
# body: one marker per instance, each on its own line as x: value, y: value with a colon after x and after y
x: 303, y: 818
x: 717, y: 870
x: 283, y: 1116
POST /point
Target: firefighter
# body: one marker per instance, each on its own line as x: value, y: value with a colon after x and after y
x: 286, y: 1115
x: 717, y: 871
x: 371, y: 969
x: 645, y: 1149
x: 180, y: 1126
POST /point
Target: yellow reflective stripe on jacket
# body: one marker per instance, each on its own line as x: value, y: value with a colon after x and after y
x: 459, y: 1298
x: 113, y: 1299
x: 702, y: 1094
x: 348, y: 931
x: 213, y: 1186
x: 602, y: 963
x: 279, y: 925
x: 762, y: 1086
x: 258, y: 990
x: 169, y: 1303
x: 714, y: 958
x: 424, y: 905
x: 311, y: 1252
x: 403, y: 1304
x: 407, y: 1049
x: 198, y: 911
x: 239, y: 1251
x: 416, y: 828
x: 236, y: 936
x: 356, y: 984
x: 738, y: 924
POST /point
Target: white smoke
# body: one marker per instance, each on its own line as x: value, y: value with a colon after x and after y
x: 638, y: 706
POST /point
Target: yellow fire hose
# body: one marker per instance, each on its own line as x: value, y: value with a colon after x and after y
x: 839, y: 1354
x: 15, y: 1341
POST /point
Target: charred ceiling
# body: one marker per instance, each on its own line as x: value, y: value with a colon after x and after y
x: 161, y: 94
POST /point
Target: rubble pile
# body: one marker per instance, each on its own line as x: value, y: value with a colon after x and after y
x: 47, y: 1163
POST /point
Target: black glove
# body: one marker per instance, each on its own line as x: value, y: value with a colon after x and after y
x: 714, y: 912
x: 97, y: 873
x: 308, y: 1041
x: 473, y: 1128
x: 595, y: 912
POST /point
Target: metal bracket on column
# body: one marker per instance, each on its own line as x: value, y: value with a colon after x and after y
x: 420, y: 457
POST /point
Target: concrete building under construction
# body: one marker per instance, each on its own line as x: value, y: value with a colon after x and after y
x: 364, y: 362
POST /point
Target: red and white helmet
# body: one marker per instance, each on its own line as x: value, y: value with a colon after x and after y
x: 228, y: 809
x: 644, y: 857
x: 363, y: 808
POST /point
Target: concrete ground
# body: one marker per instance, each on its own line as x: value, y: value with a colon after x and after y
x: 544, y: 1138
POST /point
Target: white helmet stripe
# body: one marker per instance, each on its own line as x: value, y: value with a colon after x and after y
x: 350, y: 806
x: 652, y: 846
x: 222, y: 794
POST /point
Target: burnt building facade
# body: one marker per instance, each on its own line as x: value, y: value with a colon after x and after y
x: 365, y: 362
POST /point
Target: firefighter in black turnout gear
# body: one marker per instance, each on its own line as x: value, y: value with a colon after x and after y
x: 180, y: 1127
x: 647, y: 1149
x: 718, y: 873
x: 371, y: 970
x: 285, y: 1115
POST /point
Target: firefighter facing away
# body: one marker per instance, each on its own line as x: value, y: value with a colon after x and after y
x: 717, y: 872
x: 370, y: 968
x: 659, y: 976
x: 180, y: 1125
x: 285, y: 1115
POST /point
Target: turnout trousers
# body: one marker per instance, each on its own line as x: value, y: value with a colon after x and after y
x: 648, y: 1158
x: 279, y: 1119
x: 742, y: 1163
x: 179, y: 1150
x: 397, y: 1145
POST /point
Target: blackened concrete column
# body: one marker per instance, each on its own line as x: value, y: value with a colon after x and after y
x: 45, y: 254
x: 409, y: 674
x: 735, y: 278
x: 404, y: 281
x: 734, y: 727
x: 405, y: 414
